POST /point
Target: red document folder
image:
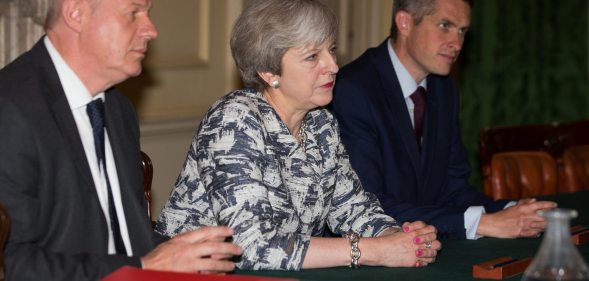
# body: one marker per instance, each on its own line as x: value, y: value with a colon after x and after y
x: 128, y: 273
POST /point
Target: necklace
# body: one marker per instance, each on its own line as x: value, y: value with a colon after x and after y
x: 302, y: 135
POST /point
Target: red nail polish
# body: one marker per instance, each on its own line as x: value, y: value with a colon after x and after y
x: 417, y: 240
x: 419, y: 253
x: 406, y: 229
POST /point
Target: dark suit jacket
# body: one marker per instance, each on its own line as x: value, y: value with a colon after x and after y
x: 377, y: 132
x: 59, y: 231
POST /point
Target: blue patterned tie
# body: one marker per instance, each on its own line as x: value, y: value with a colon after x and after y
x: 95, y: 111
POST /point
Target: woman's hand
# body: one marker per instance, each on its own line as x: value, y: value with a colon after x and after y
x: 416, y: 245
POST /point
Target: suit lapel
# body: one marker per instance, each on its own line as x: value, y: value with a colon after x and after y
x: 115, y: 132
x: 126, y: 154
x: 69, y: 130
x: 430, y: 133
x: 399, y: 114
x: 63, y: 114
x: 127, y: 160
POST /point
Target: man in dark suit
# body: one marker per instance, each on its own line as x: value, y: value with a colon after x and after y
x: 73, y: 188
x: 421, y: 173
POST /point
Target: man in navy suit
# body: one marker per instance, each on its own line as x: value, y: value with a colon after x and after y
x: 421, y: 176
x: 77, y: 213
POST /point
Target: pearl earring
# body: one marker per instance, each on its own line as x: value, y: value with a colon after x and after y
x: 275, y: 84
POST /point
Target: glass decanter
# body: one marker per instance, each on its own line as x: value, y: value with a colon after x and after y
x: 557, y: 259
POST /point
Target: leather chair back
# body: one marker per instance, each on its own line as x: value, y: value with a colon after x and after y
x: 575, y: 169
x: 511, y: 138
x: 4, y: 231
x: 523, y: 174
x: 553, y: 138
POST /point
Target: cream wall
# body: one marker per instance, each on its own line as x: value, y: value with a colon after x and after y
x: 188, y: 67
x: 20, y: 26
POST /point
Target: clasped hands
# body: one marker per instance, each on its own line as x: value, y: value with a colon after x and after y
x: 415, y: 245
x: 520, y: 220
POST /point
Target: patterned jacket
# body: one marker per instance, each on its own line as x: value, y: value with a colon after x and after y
x: 274, y: 192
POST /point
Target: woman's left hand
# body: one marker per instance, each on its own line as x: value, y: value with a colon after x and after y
x: 426, y: 241
x: 415, y: 245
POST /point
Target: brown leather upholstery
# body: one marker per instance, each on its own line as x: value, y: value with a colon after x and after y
x: 511, y: 138
x: 4, y: 231
x: 575, y: 169
x: 147, y: 178
x: 523, y: 174
x: 552, y: 138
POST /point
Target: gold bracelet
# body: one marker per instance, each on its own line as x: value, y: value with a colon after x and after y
x: 355, y: 254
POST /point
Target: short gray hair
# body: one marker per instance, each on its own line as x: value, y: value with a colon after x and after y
x: 54, y: 10
x: 416, y: 8
x: 266, y: 29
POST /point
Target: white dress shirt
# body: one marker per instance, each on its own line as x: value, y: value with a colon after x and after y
x: 78, y: 97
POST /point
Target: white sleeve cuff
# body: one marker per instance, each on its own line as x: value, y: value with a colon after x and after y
x: 511, y: 203
x: 472, y: 218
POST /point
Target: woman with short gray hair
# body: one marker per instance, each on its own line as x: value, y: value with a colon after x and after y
x: 270, y: 162
x: 263, y: 34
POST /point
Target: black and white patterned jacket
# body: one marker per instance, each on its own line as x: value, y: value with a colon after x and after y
x: 246, y: 170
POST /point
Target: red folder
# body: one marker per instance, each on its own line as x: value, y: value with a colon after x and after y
x: 128, y: 273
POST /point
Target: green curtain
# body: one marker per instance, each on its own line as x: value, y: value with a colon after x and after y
x: 523, y: 62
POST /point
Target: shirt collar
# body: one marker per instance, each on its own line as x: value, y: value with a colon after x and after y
x: 75, y: 91
x: 408, y: 84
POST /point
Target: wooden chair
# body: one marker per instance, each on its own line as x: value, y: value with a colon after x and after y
x: 4, y: 231
x: 147, y: 178
x: 523, y: 174
x: 575, y: 169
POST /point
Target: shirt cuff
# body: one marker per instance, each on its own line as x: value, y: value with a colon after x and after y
x: 510, y: 204
x: 472, y: 218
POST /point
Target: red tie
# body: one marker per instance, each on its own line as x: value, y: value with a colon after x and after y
x: 418, y: 98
